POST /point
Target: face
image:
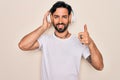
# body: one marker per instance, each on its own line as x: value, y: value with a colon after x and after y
x: 60, y: 19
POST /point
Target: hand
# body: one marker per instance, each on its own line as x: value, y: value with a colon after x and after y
x: 46, y: 24
x: 84, y: 36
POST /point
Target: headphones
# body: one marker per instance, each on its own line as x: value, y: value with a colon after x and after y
x: 72, y: 17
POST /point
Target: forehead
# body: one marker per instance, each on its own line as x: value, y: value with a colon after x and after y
x: 61, y: 11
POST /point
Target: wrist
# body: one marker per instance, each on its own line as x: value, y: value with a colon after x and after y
x: 44, y: 28
x: 91, y: 43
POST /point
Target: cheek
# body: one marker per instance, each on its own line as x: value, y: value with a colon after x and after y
x: 55, y: 21
x: 66, y: 21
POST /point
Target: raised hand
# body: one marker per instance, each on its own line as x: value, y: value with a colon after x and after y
x: 84, y: 36
x: 46, y: 24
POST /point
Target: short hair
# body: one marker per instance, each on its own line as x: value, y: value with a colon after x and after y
x: 61, y: 4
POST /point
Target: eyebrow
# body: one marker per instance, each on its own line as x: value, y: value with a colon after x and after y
x: 58, y: 15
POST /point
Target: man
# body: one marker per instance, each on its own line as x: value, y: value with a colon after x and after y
x: 62, y: 51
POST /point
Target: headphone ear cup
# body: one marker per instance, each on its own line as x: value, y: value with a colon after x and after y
x: 48, y: 18
x: 73, y: 17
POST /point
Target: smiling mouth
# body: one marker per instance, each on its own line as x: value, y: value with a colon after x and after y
x: 60, y: 26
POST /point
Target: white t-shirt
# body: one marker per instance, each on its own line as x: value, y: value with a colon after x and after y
x: 61, y: 57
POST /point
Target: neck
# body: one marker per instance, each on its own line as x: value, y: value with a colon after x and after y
x: 63, y: 35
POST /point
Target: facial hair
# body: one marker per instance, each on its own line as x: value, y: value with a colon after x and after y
x: 60, y: 30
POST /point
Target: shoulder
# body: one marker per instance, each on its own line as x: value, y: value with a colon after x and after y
x: 44, y: 39
x: 45, y: 36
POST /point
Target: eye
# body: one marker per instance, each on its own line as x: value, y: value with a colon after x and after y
x: 65, y: 17
x: 56, y: 16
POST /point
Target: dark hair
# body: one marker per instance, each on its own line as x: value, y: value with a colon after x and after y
x: 60, y: 4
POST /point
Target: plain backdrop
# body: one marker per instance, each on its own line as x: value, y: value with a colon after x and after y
x: 19, y: 17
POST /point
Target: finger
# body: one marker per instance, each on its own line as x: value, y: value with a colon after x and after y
x: 45, y: 17
x: 85, y: 28
x: 46, y: 14
x: 80, y: 35
x: 82, y: 41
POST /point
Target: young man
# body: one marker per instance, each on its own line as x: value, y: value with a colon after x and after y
x: 62, y: 51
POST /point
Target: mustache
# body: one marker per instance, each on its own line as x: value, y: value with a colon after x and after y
x: 60, y: 24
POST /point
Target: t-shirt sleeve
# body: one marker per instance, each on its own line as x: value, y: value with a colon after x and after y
x: 41, y: 40
x: 86, y: 52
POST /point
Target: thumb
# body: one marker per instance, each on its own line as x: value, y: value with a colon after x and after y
x: 85, y: 28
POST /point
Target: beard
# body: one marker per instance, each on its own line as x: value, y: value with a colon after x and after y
x: 60, y: 30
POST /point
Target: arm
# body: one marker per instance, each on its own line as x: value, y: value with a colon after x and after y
x: 95, y: 58
x: 29, y: 42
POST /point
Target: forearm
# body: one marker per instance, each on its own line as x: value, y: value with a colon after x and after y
x: 96, y: 57
x: 29, y: 40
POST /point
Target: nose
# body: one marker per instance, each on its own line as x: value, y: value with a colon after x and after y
x: 60, y: 20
